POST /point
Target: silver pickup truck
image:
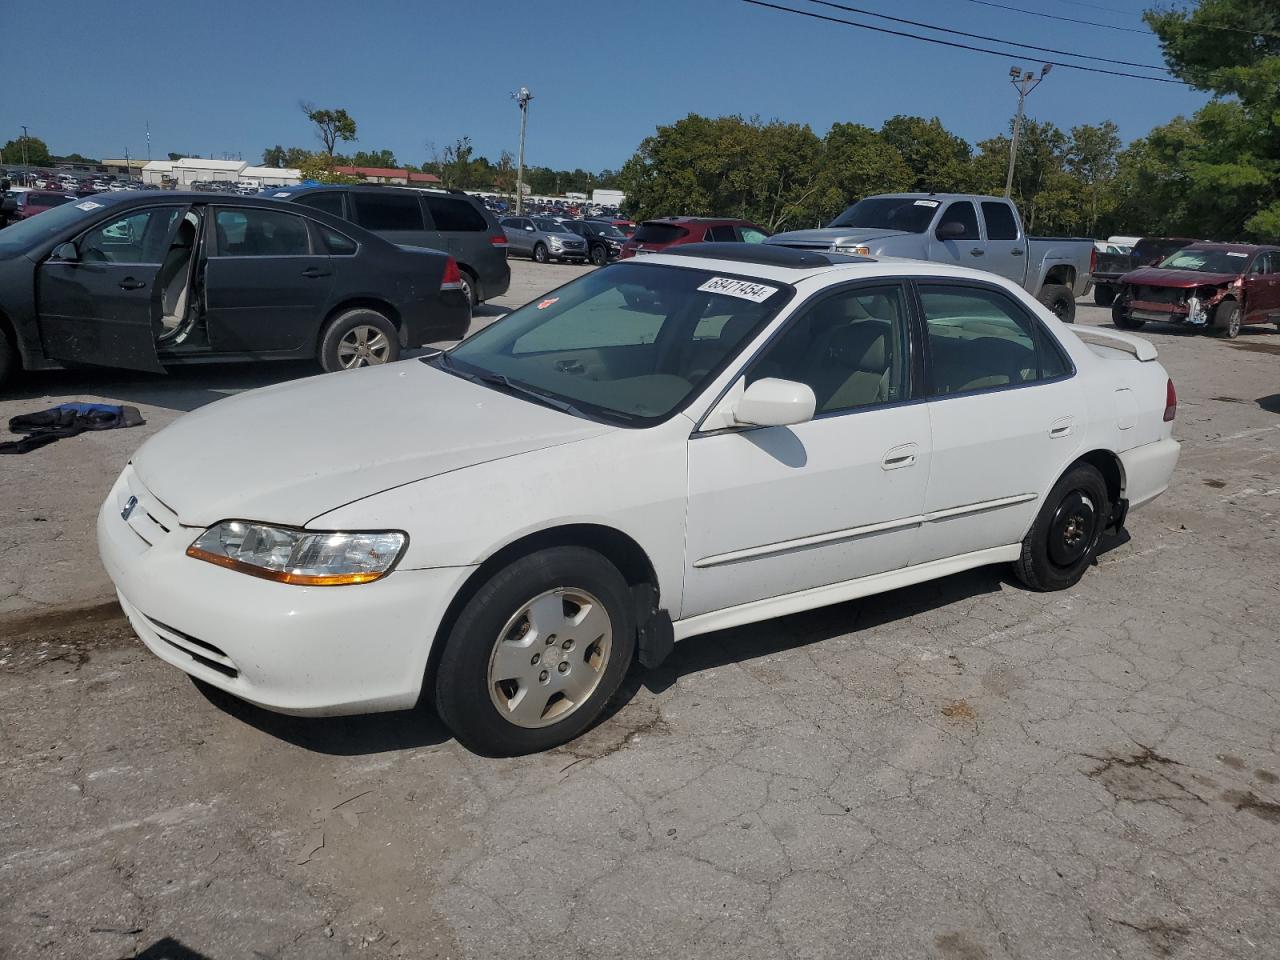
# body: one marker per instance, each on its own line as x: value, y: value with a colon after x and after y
x: 974, y: 231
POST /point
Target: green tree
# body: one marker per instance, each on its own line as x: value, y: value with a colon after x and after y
x: 374, y: 158
x: 455, y: 164
x: 1092, y: 158
x: 937, y: 158
x: 35, y: 150
x: 319, y: 167
x: 331, y: 126
x: 856, y: 162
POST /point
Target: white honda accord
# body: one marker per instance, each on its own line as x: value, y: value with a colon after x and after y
x: 658, y: 449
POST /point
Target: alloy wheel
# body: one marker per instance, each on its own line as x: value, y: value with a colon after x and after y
x: 550, y: 657
x: 363, y: 346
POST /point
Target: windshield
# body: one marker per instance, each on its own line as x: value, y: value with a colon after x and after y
x: 629, y: 343
x: 550, y: 226
x: 608, y: 230
x: 907, y: 214
x: 1207, y: 261
x: 20, y: 237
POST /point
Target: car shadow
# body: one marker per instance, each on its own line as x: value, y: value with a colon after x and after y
x: 357, y: 735
x: 1271, y: 403
x: 167, y: 948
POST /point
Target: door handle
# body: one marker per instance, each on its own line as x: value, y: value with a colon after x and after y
x: 1016, y: 252
x: 128, y: 283
x: 899, y: 457
x: 1061, y: 428
x: 976, y: 252
x: 311, y: 273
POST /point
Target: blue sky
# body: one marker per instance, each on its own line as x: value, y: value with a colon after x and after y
x: 227, y: 76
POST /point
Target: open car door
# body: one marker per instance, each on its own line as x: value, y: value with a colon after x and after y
x: 97, y: 296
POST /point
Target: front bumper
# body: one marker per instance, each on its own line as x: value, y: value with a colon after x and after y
x: 298, y: 650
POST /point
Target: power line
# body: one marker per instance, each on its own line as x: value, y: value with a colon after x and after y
x: 1052, y: 16
x: 979, y: 36
x: 959, y: 46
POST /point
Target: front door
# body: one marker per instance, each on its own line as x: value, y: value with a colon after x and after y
x: 957, y: 239
x: 775, y: 510
x: 1007, y: 416
x: 265, y: 288
x: 103, y: 306
x: 1262, y: 289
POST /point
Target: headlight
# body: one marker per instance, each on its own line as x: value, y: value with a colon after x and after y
x: 303, y: 557
x: 856, y: 251
x: 555, y: 241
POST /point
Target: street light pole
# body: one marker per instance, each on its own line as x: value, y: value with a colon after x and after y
x: 522, y: 98
x: 1024, y: 81
x: 24, y: 150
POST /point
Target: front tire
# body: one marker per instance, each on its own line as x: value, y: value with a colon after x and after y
x: 1104, y: 295
x: 599, y: 255
x: 359, y: 337
x: 1060, y: 300
x: 540, y: 253
x: 1226, y: 319
x: 469, y: 287
x: 8, y: 356
x: 1120, y: 317
x: 536, y: 653
x: 1064, y: 538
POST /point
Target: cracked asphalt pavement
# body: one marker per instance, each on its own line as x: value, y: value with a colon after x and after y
x: 962, y: 770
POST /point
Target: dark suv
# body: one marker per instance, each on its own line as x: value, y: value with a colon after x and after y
x: 653, y: 236
x: 451, y: 221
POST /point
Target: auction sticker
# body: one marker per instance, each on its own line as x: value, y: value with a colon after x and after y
x: 926, y: 203
x: 282, y: 193
x: 743, y: 289
x: 87, y: 206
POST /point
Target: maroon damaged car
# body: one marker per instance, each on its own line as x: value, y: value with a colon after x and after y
x: 1212, y: 286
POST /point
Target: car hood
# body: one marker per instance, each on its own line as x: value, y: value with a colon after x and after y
x: 1180, y: 279
x: 289, y: 453
x: 831, y: 237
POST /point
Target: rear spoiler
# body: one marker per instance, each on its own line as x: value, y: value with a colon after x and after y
x: 1144, y: 350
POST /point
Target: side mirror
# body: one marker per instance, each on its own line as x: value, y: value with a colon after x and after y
x: 775, y: 403
x: 66, y: 251
x: 951, y: 230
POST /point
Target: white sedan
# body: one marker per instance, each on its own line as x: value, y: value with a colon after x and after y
x: 658, y: 449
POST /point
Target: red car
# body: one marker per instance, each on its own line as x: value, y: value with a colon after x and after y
x: 31, y: 202
x: 655, y: 235
x: 1214, y: 286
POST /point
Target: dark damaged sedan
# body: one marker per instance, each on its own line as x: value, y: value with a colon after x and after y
x: 143, y: 281
x: 1213, y: 286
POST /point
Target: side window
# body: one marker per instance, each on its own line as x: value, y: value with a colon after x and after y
x: 752, y: 235
x: 850, y: 348
x: 722, y: 234
x: 1001, y: 224
x: 452, y: 214
x: 339, y: 244
x: 137, y: 237
x: 962, y: 212
x: 326, y: 200
x: 979, y: 339
x: 252, y: 232
x: 387, y: 211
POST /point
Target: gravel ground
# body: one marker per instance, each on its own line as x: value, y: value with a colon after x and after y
x: 962, y: 770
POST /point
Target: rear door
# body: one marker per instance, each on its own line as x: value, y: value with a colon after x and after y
x: 1006, y: 412
x: 1006, y: 247
x: 103, y: 308
x: 266, y: 288
x: 459, y: 226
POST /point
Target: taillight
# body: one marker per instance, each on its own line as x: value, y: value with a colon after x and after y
x: 498, y: 240
x: 1093, y: 261
x: 1170, y: 402
x: 452, y: 279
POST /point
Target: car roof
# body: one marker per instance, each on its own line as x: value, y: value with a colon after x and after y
x: 712, y: 221
x: 1230, y: 247
x: 789, y: 265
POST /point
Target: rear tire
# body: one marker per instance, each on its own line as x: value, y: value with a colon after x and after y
x: 1104, y: 295
x: 501, y: 700
x: 540, y: 253
x: 360, y: 337
x: 1121, y: 318
x: 1059, y: 300
x: 1063, y: 540
x: 1226, y: 320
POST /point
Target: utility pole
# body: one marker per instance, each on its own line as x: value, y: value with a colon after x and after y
x: 522, y: 98
x: 148, y: 146
x: 24, y: 150
x: 1024, y: 81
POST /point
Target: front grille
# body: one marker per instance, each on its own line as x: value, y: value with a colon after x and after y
x: 199, y: 650
x: 1160, y: 294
